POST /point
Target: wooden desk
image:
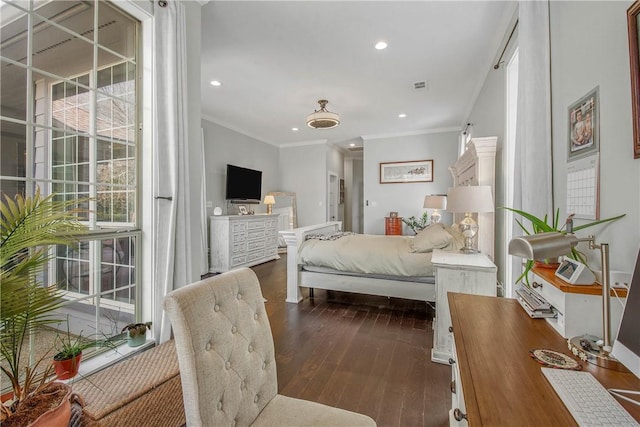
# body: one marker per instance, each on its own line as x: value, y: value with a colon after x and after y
x: 502, y: 385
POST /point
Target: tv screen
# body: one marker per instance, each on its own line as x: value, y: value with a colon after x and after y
x: 243, y: 183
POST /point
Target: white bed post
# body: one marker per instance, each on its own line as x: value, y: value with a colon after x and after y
x: 293, y: 290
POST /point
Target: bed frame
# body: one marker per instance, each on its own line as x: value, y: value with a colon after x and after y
x: 475, y: 167
x: 297, y: 277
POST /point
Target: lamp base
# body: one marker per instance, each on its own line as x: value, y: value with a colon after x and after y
x: 469, y: 251
x: 586, y: 348
x: 269, y: 210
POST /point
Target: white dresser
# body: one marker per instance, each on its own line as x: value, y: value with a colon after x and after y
x: 463, y: 273
x: 242, y: 241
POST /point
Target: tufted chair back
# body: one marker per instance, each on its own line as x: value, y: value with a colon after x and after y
x: 225, y: 349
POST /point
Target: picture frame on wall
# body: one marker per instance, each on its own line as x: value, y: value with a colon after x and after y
x: 633, y: 25
x: 584, y: 126
x: 406, y: 172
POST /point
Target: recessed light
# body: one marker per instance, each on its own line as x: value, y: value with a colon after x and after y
x: 352, y: 145
x: 215, y: 83
x: 402, y: 115
x: 381, y: 45
x: 295, y: 129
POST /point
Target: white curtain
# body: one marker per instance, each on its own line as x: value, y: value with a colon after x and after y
x: 533, y: 156
x: 172, y: 250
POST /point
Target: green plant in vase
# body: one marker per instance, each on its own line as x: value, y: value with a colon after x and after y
x: 417, y: 224
x: 542, y: 225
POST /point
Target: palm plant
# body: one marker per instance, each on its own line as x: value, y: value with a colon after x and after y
x: 28, y: 227
x: 539, y: 225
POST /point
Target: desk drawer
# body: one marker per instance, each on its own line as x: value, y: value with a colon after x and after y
x: 546, y: 290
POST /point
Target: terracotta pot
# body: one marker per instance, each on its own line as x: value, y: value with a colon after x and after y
x: 56, y: 417
x: 67, y: 368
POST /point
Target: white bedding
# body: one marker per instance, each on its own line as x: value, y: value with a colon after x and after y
x: 368, y: 254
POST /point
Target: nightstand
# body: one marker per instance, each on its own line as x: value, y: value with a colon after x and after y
x: 462, y: 273
x: 393, y: 226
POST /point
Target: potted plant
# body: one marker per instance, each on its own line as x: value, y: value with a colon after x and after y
x: 136, y: 333
x: 541, y: 225
x: 417, y: 224
x: 27, y: 227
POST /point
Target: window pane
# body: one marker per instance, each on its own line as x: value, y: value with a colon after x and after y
x: 13, y: 161
x: 117, y: 31
x: 14, y: 91
x: 12, y: 33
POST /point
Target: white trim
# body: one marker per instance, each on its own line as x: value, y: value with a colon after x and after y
x: 305, y: 143
x: 411, y: 133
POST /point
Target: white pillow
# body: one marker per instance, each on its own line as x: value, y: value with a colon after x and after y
x: 457, y: 239
x: 433, y: 237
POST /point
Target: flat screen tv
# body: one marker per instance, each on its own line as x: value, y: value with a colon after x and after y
x: 243, y: 184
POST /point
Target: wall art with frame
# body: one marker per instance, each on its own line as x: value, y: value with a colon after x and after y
x: 405, y: 172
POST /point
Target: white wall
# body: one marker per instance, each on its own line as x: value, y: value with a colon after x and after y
x: 589, y: 48
x: 224, y: 146
x: 304, y: 172
x: 406, y: 199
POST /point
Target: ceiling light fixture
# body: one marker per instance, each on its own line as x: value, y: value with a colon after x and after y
x: 215, y: 83
x: 294, y: 129
x: 402, y: 115
x: 381, y: 45
x: 322, y: 118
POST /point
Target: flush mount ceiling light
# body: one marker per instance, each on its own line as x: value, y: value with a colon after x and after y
x: 322, y: 118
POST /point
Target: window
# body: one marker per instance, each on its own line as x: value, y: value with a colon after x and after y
x: 68, y: 121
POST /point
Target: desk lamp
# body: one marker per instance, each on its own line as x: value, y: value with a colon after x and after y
x: 554, y: 244
x: 435, y: 202
x: 269, y: 201
x: 469, y: 200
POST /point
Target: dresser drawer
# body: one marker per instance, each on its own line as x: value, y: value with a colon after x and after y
x: 258, y: 244
x: 255, y: 255
x: 238, y: 227
x: 255, y: 234
x: 238, y: 248
x: 238, y: 259
x: 256, y: 224
x: 238, y: 237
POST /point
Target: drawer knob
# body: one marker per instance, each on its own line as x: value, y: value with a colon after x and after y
x: 459, y: 415
x: 536, y: 285
x: 451, y: 329
x: 453, y: 386
x: 451, y: 361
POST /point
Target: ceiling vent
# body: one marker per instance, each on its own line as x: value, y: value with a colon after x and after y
x: 420, y: 85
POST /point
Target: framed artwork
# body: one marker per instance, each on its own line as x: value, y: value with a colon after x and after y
x: 242, y: 209
x: 584, y: 128
x: 403, y: 172
x: 633, y: 24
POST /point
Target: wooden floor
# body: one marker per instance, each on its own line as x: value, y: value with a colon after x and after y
x: 362, y: 353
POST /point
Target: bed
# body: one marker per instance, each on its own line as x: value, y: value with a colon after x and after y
x: 475, y: 167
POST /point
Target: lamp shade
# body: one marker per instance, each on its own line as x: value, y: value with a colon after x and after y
x: 435, y: 201
x: 542, y: 245
x: 269, y: 200
x: 475, y: 198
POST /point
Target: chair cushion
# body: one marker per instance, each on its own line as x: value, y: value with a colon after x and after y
x: 287, y: 411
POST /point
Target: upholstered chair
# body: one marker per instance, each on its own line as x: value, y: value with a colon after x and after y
x: 227, y: 359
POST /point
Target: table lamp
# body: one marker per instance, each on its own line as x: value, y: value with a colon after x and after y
x: 269, y: 200
x: 435, y: 202
x: 469, y: 200
x: 554, y: 244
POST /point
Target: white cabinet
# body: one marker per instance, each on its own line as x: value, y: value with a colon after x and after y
x: 457, y: 397
x: 242, y: 241
x: 578, y: 308
x: 457, y: 272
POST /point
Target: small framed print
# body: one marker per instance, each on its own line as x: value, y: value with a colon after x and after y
x: 242, y: 209
x: 584, y: 129
x: 403, y: 172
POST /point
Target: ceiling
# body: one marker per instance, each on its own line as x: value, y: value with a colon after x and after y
x: 276, y: 59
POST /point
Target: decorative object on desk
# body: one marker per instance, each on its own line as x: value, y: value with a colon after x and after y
x: 417, y: 224
x: 393, y: 214
x: 554, y: 359
x: 553, y: 244
x: 584, y: 129
x: 323, y: 118
x: 633, y: 24
x: 269, y: 200
x: 136, y: 333
x: 405, y: 172
x: 469, y: 200
x: 542, y: 226
x: 575, y: 272
x: 242, y: 209
x: 217, y: 211
x: 435, y: 202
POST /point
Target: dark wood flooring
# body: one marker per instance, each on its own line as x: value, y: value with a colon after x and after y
x: 362, y: 353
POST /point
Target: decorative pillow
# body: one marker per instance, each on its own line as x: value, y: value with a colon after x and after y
x: 433, y: 237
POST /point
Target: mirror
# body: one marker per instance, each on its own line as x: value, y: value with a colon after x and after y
x: 285, y: 206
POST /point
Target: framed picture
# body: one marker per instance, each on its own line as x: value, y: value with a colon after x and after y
x: 242, y: 209
x: 584, y: 129
x: 633, y: 24
x: 403, y: 172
